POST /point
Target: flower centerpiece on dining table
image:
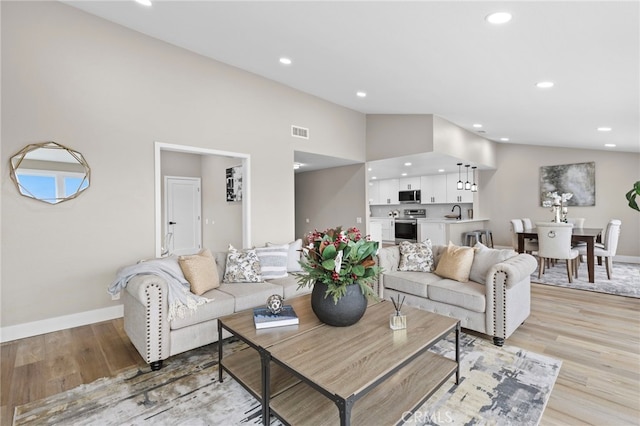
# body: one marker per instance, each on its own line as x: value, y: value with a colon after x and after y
x: 341, y: 268
x: 558, y: 204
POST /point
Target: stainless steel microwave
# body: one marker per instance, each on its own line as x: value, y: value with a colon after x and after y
x: 409, y: 197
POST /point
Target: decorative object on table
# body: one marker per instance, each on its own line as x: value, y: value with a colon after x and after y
x: 264, y: 318
x: 631, y: 196
x: 234, y: 183
x: 578, y: 179
x: 274, y: 303
x: 340, y: 267
x: 558, y: 204
x: 397, y: 321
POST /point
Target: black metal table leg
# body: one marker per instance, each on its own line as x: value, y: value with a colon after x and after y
x: 265, y: 361
x: 458, y: 353
x: 219, y: 352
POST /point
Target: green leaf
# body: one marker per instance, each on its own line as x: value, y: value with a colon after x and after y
x: 329, y: 264
x: 358, y: 270
x: 329, y: 252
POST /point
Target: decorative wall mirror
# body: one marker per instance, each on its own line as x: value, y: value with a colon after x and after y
x: 50, y: 172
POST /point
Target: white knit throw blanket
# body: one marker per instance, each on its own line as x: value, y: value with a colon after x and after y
x: 180, y: 297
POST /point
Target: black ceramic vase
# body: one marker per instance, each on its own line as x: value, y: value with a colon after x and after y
x: 348, y: 311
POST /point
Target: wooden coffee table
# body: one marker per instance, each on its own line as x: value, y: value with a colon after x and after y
x: 372, y: 374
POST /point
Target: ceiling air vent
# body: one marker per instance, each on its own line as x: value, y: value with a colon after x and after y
x: 299, y: 132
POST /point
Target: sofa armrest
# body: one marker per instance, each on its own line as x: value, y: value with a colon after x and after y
x: 146, y: 310
x: 513, y: 270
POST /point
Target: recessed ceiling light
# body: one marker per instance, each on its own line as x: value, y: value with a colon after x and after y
x: 285, y: 61
x: 369, y: 169
x: 604, y: 129
x: 373, y: 177
x: 477, y: 125
x: 544, y: 84
x: 361, y: 94
x: 504, y: 139
x: 403, y: 174
x: 144, y: 2
x: 610, y: 145
x: 407, y: 164
x: 440, y: 170
x: 296, y: 166
x: 498, y: 18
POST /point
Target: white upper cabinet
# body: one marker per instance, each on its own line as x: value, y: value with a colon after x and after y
x: 374, y: 192
x: 410, y: 183
x: 433, y: 189
x: 389, y: 191
x: 455, y: 195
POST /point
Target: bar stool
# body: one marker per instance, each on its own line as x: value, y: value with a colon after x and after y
x: 472, y: 237
x: 488, y: 236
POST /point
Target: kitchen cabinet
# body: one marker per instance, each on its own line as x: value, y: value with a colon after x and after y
x: 435, y: 231
x: 387, y: 228
x: 455, y: 195
x: 410, y: 183
x: 389, y: 191
x: 374, y: 192
x: 433, y: 189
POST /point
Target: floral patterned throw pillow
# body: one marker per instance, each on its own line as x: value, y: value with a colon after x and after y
x: 416, y: 256
x: 243, y: 266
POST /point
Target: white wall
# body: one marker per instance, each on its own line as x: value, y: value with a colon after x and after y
x: 110, y: 93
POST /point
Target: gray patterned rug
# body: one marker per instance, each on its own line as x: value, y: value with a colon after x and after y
x: 499, y: 386
x: 625, y: 278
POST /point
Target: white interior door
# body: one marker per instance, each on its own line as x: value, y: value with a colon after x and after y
x: 183, y: 215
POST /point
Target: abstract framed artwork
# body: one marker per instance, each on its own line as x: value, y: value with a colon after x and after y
x: 578, y: 179
x: 234, y: 183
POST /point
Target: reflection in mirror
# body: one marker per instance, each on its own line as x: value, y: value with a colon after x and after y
x: 50, y: 172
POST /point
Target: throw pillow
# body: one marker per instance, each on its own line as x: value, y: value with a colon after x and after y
x: 416, y: 256
x: 455, y: 263
x: 484, y: 258
x: 243, y: 266
x: 273, y: 261
x: 293, y: 260
x: 201, y: 271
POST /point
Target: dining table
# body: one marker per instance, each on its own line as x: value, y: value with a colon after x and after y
x: 588, y: 235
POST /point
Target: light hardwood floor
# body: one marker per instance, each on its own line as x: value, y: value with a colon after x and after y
x: 596, y: 335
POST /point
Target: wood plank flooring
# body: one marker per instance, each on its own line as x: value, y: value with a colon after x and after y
x: 596, y: 335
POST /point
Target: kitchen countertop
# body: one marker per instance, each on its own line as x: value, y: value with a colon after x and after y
x: 438, y: 220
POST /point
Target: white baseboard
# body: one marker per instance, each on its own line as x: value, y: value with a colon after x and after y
x: 35, y: 328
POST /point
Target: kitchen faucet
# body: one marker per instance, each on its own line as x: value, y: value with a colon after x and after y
x: 459, y: 211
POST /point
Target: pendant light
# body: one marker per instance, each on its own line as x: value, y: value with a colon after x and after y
x: 460, y: 184
x: 467, y: 184
x: 474, y: 187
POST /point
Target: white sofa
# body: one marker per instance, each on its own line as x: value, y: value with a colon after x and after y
x: 145, y: 300
x: 496, y: 307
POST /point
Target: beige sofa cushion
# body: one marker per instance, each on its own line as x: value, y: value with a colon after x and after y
x: 250, y: 295
x: 221, y: 305
x: 416, y: 283
x: 469, y: 295
x: 455, y: 263
x: 201, y: 271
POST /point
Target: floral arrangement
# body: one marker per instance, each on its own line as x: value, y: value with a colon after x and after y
x: 338, y: 259
x: 558, y: 204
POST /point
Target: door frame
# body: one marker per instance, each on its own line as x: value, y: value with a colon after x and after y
x: 246, y: 187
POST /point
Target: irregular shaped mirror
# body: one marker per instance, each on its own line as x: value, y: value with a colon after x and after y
x: 50, y: 172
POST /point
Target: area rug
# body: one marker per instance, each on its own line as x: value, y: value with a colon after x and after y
x: 499, y: 386
x: 625, y: 279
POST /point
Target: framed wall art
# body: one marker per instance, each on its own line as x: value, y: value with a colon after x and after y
x: 234, y: 183
x: 578, y: 179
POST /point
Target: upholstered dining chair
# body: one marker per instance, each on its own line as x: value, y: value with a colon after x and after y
x: 608, y: 248
x: 577, y: 222
x: 527, y: 223
x: 554, y: 242
x: 517, y: 226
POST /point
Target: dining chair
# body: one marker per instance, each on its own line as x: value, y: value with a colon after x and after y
x: 527, y: 223
x: 609, y: 247
x: 517, y: 226
x: 578, y: 222
x: 554, y: 242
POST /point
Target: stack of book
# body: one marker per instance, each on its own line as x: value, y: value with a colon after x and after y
x: 264, y: 318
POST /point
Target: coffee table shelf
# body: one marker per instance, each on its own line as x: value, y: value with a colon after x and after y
x: 403, y: 392
x: 244, y: 366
